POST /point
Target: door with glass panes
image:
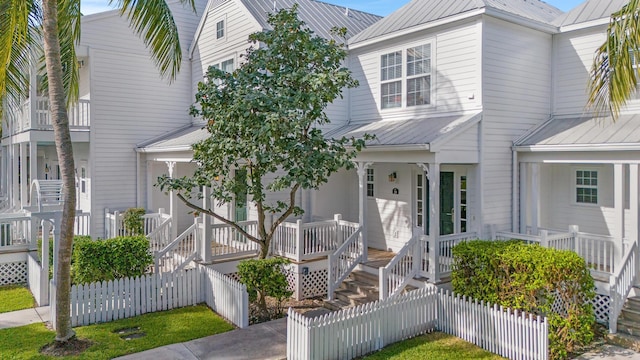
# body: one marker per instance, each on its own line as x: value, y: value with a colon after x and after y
x: 453, y: 202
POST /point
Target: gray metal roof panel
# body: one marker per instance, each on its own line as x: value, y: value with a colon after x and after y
x: 413, y: 131
x: 588, y: 11
x: 178, y: 139
x: 418, y: 12
x: 319, y: 16
x: 585, y: 131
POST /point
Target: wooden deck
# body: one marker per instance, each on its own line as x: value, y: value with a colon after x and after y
x: 379, y: 258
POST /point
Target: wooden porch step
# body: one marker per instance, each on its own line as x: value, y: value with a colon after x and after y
x: 629, y: 327
x: 630, y: 314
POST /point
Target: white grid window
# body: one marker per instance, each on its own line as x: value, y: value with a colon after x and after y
x: 220, y: 29
x: 391, y: 89
x: 419, y: 75
x: 586, y: 187
x: 370, y: 183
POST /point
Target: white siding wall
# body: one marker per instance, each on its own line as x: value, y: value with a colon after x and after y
x: 455, y: 63
x: 338, y: 196
x: 130, y: 103
x: 516, y: 96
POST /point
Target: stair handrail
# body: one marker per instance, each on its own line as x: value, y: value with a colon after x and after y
x: 620, y: 284
x: 189, y: 238
x: 159, y: 236
x: 344, y: 260
x: 400, y: 270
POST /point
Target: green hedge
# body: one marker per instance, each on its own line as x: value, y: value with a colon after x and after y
x: 530, y: 278
x: 98, y: 260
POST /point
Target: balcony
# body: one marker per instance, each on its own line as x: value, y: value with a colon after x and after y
x: 34, y: 115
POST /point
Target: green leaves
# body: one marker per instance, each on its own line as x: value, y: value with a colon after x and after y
x: 265, y: 118
x: 133, y: 221
x: 265, y: 277
x: 533, y: 279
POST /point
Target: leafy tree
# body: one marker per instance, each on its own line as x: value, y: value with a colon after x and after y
x: 26, y: 25
x: 264, y: 119
x: 613, y: 76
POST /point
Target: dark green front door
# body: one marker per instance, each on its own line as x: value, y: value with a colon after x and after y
x: 447, y: 204
x: 241, y: 196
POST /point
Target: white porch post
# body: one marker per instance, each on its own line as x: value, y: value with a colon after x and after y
x: 434, y: 220
x: 205, y: 245
x: 24, y: 186
x: 33, y: 166
x: 535, y: 198
x: 150, y: 184
x: 361, y: 168
x: 3, y: 171
x: 524, y: 188
x: 172, y: 203
x: 618, y: 196
x: 634, y: 204
x: 44, y: 275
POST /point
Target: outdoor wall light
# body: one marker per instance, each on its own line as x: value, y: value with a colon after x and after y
x: 305, y: 270
x: 393, y: 177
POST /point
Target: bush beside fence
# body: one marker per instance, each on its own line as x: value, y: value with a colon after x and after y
x: 354, y: 332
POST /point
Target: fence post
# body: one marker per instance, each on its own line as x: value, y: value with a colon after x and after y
x: 107, y: 223
x: 382, y: 283
x: 613, y: 309
x: 338, y: 233
x: 544, y: 241
x: 573, y: 229
x: 44, y: 262
x: 33, y: 232
x: 299, y: 240
x: 492, y: 231
x: 117, y: 224
x: 330, y: 276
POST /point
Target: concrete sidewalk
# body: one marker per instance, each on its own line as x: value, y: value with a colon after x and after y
x: 24, y: 317
x: 261, y: 341
x: 610, y: 352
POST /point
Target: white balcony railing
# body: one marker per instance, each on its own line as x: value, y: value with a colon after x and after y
x: 34, y: 115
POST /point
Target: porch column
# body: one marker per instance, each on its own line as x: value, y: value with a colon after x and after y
x: 618, y: 196
x: 524, y: 188
x: 3, y: 171
x: 24, y: 186
x: 14, y: 187
x: 361, y: 168
x: 205, y: 244
x: 172, y: 203
x: 149, y: 184
x: 434, y: 219
x: 634, y: 204
x: 535, y: 198
x: 33, y: 166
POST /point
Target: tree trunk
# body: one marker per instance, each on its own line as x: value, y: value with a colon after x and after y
x: 60, y: 122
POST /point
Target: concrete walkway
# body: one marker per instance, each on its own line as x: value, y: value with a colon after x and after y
x: 610, y: 352
x: 24, y: 317
x: 262, y: 341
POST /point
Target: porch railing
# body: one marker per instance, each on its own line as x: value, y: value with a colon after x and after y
x: 402, y: 268
x: 34, y: 114
x: 114, y: 223
x: 621, y: 283
x: 228, y: 241
x: 15, y: 231
x: 160, y: 236
x: 178, y: 253
x: 344, y: 260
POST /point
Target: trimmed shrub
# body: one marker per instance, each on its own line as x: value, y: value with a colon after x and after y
x: 553, y: 283
x: 133, y: 221
x: 98, y: 260
x: 265, y: 277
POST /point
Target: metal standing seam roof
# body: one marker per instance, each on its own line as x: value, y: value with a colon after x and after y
x: 319, y: 16
x: 588, y: 11
x: 584, y: 131
x: 413, y: 131
x: 178, y: 140
x: 418, y: 12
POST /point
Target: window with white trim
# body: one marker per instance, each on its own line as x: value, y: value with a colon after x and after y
x: 370, y: 183
x: 83, y: 180
x: 413, y: 88
x: 220, y: 29
x: 586, y: 187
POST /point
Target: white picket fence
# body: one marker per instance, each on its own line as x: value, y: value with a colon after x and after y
x: 227, y: 297
x: 123, y: 298
x: 357, y: 331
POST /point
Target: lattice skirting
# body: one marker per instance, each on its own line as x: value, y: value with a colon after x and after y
x: 600, y: 305
x: 13, y: 273
x: 315, y: 283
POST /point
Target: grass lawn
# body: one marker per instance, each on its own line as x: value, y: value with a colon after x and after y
x: 433, y: 346
x: 161, y: 328
x: 15, y: 297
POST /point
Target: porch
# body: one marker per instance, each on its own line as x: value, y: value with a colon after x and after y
x: 34, y: 115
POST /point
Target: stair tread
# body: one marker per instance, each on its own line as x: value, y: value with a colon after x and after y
x: 360, y: 283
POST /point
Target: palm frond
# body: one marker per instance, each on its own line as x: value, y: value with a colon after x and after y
x: 615, y: 71
x: 153, y: 21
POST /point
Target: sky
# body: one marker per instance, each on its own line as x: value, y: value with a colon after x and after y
x: 379, y: 7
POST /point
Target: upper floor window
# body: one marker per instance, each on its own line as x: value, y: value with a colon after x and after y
x: 586, y: 187
x: 412, y: 88
x: 220, y: 29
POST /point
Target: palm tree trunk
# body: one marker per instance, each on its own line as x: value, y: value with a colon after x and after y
x: 60, y: 122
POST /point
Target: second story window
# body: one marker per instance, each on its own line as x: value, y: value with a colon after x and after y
x: 391, y: 76
x: 413, y: 88
x: 220, y: 29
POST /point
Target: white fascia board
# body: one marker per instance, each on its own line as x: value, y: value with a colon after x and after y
x: 578, y: 147
x: 530, y: 23
x: 196, y: 35
x: 585, y: 25
x: 164, y: 149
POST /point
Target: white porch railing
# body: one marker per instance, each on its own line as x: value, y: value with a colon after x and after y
x: 445, y: 246
x: 227, y: 241
x: 114, y: 223
x: 400, y: 270
x: 160, y: 236
x: 621, y: 283
x: 35, y: 115
x: 344, y: 260
x: 82, y: 223
x: 179, y: 253
x: 15, y: 231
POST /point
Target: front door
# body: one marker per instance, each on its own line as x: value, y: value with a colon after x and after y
x: 447, y: 204
x: 240, y: 203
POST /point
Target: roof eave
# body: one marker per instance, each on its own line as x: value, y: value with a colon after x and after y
x: 181, y: 148
x: 585, y: 25
x: 578, y: 147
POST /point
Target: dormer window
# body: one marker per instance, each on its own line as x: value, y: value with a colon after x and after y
x: 412, y: 89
